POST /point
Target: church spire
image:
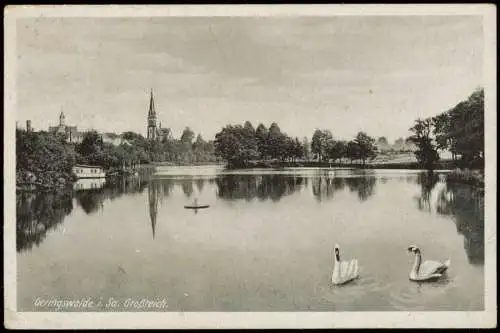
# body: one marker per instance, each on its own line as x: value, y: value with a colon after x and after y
x: 152, y: 111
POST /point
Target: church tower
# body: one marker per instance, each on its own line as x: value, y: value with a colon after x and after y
x: 152, y: 130
x: 62, y: 119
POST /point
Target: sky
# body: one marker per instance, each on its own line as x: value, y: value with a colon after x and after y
x: 347, y: 74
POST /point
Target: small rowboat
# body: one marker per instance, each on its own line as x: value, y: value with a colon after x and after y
x: 196, y: 206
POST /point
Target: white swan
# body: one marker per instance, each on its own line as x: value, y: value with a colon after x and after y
x: 427, y: 270
x: 343, y: 271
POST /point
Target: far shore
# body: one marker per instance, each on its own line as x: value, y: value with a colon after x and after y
x: 274, y: 164
x: 473, y: 177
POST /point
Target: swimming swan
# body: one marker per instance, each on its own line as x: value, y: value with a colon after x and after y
x: 343, y: 271
x: 427, y: 270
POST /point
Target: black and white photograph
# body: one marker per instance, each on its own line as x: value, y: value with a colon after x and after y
x: 228, y: 167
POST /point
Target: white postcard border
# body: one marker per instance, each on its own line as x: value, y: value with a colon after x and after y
x: 14, y: 319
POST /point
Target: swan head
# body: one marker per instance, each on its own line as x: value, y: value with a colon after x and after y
x: 413, y: 249
x: 336, y: 249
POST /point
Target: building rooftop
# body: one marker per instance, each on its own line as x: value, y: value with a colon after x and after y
x: 87, y: 166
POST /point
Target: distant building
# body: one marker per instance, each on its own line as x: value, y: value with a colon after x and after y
x: 88, y: 171
x: 71, y: 133
x: 28, y: 126
x: 155, y: 132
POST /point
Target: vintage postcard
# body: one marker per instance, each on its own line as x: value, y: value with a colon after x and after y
x: 298, y: 166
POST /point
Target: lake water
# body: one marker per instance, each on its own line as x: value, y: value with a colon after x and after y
x: 264, y: 244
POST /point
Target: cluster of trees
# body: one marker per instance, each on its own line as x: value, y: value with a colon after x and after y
x: 189, y: 148
x: 237, y: 144
x: 186, y: 149
x: 43, y: 158
x: 325, y: 147
x: 47, y: 158
x: 459, y: 130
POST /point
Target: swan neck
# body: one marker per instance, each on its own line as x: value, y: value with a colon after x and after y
x: 416, y: 263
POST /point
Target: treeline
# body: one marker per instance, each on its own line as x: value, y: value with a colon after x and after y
x: 46, y: 159
x: 237, y: 144
x: 188, y: 149
x: 240, y: 144
x: 325, y: 147
x: 185, y: 150
x: 459, y: 130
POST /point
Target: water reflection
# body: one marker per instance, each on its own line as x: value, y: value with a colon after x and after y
x: 187, y: 187
x: 263, y: 187
x: 39, y: 213
x: 324, y: 187
x: 466, y: 206
x: 90, y: 194
x: 364, y: 186
x: 89, y: 183
x: 427, y: 182
x: 463, y: 203
x: 200, y: 183
x: 153, y: 196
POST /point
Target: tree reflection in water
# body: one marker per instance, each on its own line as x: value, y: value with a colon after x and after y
x: 324, y: 187
x: 427, y: 182
x: 200, y: 183
x: 187, y: 187
x: 37, y: 213
x: 465, y: 204
x: 263, y: 187
x: 364, y: 186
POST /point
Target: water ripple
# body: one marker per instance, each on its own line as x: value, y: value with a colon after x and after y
x: 417, y: 295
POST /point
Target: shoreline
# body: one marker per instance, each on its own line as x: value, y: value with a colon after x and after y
x: 59, y: 181
x: 443, y: 165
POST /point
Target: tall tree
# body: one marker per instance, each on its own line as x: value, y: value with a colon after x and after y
x: 461, y: 129
x: 187, y: 136
x: 261, y: 134
x: 366, y: 146
x: 382, y: 143
x: 232, y: 146
x: 426, y: 152
x: 275, y: 141
x: 337, y: 150
x: 352, y: 151
x: 91, y: 144
x: 321, y: 144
